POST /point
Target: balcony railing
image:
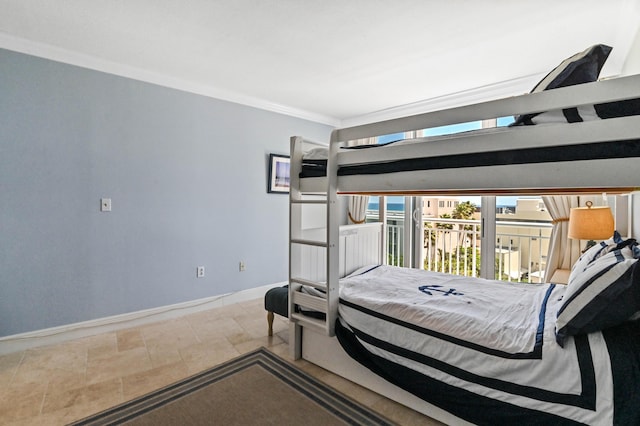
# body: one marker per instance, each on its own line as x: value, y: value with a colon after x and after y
x: 453, y: 246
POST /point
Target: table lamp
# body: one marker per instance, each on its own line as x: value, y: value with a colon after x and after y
x: 590, y: 223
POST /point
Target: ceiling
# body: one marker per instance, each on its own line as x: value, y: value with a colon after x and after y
x: 333, y: 61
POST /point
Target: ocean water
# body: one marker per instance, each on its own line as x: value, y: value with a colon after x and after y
x: 390, y: 206
x: 400, y: 206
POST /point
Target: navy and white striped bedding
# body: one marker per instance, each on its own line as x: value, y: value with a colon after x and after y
x: 314, y: 164
x: 485, y: 350
x: 624, y: 108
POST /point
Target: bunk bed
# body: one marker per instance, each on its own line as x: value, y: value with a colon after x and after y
x: 474, y: 358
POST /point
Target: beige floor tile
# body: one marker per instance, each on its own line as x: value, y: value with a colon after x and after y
x: 208, y: 354
x: 74, y: 404
x: 107, y: 393
x: 59, y: 384
x: 129, y: 339
x: 49, y: 419
x: 212, y: 313
x: 9, y: 366
x: 21, y: 401
x: 162, y: 354
x: 176, y: 333
x: 227, y: 311
x: 281, y: 350
x: 255, y: 327
x: 65, y: 379
x: 40, y: 364
x: 214, y: 328
x: 139, y: 384
x: 101, y: 345
x: 266, y: 341
x: 280, y: 325
x: 239, y: 338
x: 98, y: 341
x: 403, y: 415
x: 110, y: 366
x: 253, y: 305
x: 162, y: 328
x: 82, y: 346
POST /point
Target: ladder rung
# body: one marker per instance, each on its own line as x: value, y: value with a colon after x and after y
x: 313, y: 303
x: 318, y: 324
x: 315, y: 284
x: 309, y: 242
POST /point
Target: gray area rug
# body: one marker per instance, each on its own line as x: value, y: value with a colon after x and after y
x: 257, y: 388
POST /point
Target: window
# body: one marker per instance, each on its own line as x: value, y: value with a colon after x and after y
x: 391, y: 138
x: 504, y: 121
x: 523, y: 231
x: 452, y: 128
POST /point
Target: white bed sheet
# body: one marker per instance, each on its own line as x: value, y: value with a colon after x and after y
x: 458, y: 306
x: 492, y: 338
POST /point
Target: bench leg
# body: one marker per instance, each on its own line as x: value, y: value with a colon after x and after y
x: 270, y: 322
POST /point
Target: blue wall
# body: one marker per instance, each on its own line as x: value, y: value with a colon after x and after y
x: 187, y: 177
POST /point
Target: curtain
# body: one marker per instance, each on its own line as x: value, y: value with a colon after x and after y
x: 563, y: 252
x: 358, y: 208
x: 357, y: 212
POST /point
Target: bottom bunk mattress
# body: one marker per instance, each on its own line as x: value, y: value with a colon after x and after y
x: 486, y: 350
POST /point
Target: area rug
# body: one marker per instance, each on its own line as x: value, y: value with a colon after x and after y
x: 257, y: 388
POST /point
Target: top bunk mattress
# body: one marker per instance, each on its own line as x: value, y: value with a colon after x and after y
x: 382, y: 161
x: 547, y: 158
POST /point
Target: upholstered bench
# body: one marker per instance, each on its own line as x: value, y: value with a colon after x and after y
x: 276, y: 300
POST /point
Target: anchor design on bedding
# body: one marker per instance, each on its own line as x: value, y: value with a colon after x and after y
x: 427, y: 289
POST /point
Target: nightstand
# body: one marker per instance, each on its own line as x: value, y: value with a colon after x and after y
x: 560, y: 276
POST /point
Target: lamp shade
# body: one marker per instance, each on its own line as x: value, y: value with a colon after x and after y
x: 590, y: 223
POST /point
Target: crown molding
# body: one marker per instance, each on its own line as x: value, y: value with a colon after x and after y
x: 488, y: 92
x: 69, y: 57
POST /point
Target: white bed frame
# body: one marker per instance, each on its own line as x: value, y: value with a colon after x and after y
x: 312, y: 339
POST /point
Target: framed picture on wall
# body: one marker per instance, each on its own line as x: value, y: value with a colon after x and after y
x: 279, y: 174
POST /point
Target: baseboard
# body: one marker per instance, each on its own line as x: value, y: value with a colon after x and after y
x: 55, y: 335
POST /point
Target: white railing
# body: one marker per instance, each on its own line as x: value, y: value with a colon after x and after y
x: 453, y: 246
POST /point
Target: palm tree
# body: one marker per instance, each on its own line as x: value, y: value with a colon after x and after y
x: 464, y: 211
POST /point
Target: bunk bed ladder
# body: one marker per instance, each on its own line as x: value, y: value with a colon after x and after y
x: 309, y: 251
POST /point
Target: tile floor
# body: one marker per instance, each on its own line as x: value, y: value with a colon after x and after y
x: 55, y: 385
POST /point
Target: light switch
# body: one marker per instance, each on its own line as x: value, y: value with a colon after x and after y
x: 105, y: 204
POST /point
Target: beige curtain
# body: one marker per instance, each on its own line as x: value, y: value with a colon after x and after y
x: 358, y: 208
x: 358, y: 203
x: 563, y: 252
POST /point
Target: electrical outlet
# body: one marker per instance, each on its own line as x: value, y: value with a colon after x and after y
x: 200, y: 272
x: 241, y: 266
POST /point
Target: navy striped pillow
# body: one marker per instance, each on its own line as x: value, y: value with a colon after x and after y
x: 624, y: 108
x: 604, y: 294
x: 600, y: 249
x: 583, y: 67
